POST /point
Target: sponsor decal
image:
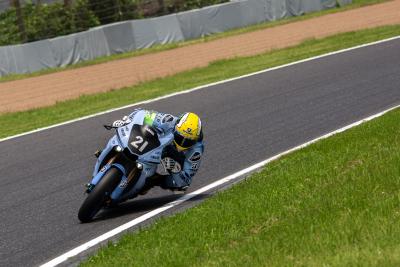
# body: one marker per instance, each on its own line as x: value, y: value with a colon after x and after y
x: 147, y: 129
x: 195, y: 157
x: 167, y: 118
x: 123, y: 183
x: 188, y: 131
x: 195, y: 166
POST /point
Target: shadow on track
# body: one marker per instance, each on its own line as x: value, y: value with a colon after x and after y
x: 141, y: 206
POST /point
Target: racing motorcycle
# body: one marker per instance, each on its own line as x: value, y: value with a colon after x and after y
x: 120, y: 164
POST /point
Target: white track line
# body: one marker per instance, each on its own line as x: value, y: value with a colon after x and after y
x: 201, y: 87
x: 184, y: 198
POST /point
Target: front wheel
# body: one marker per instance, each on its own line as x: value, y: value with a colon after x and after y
x: 99, y: 195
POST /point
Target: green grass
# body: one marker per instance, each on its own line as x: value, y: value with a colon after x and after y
x: 334, y: 203
x: 158, y: 48
x: 14, y: 123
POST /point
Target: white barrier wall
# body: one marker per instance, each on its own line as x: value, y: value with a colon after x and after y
x: 137, y: 34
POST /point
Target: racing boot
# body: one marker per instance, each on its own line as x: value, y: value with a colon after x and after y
x: 179, y: 190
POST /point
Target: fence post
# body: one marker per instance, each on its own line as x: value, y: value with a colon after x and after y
x: 20, y: 20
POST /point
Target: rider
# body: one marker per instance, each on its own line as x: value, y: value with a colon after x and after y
x: 181, y: 158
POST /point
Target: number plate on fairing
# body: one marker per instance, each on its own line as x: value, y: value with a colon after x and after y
x: 143, y: 138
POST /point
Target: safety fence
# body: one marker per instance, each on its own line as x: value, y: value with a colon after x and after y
x: 137, y: 34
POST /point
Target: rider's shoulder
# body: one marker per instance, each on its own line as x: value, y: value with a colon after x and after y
x: 165, y: 117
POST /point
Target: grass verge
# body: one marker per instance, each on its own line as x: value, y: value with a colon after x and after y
x: 334, y: 203
x: 159, y: 48
x: 18, y: 122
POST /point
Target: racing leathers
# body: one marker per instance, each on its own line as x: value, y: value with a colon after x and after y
x: 177, y: 168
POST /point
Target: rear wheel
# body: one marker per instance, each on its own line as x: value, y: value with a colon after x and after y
x: 99, y: 195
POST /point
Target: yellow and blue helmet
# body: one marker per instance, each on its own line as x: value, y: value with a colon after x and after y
x: 187, y: 131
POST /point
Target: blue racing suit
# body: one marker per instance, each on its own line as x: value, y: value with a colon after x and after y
x: 181, y: 165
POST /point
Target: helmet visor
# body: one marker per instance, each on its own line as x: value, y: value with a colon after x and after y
x: 182, y: 141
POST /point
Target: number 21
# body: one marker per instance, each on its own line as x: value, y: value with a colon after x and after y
x: 139, y: 140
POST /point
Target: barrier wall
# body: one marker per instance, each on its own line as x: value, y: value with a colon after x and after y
x: 137, y: 34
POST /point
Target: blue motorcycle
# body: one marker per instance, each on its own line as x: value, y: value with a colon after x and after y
x: 133, y: 148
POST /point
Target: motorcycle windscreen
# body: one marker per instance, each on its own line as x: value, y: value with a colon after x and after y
x: 143, y: 138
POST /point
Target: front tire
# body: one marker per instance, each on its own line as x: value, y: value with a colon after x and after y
x: 98, y: 196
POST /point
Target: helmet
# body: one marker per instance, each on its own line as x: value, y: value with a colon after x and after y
x: 187, y: 131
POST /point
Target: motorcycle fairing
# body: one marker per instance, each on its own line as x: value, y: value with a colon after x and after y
x: 142, y: 139
x: 154, y: 156
x: 124, y: 132
x: 121, y: 139
x: 126, y: 135
x: 106, y: 151
x: 104, y: 169
x: 150, y: 158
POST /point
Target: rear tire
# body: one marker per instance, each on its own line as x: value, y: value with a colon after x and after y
x: 101, y: 192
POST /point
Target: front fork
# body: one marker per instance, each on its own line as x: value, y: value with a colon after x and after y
x: 127, y: 180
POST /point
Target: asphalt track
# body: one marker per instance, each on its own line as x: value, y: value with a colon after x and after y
x: 245, y: 121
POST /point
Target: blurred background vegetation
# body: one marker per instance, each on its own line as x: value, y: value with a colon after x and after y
x: 26, y: 21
